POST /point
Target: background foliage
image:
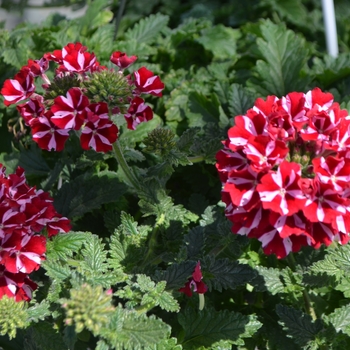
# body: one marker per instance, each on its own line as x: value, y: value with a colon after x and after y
x: 215, y: 59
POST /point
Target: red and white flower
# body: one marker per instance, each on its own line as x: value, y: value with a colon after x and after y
x: 121, y: 59
x: 47, y: 135
x: 99, y: 135
x: 19, y: 88
x: 69, y: 112
x: 148, y: 83
x: 138, y: 112
x: 285, y: 169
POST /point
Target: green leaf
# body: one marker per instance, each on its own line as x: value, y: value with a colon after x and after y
x: 340, y: 319
x: 330, y: 70
x: 293, y: 10
x: 64, y: 245
x: 177, y: 274
x: 94, y: 256
x: 95, y: 16
x: 44, y: 337
x: 129, y: 331
x: 203, y: 328
x: 87, y: 192
x: 155, y: 294
x: 56, y: 270
x: 299, y: 325
x: 33, y: 162
x: 38, y: 312
x: 226, y: 274
x: 15, y: 57
x: 147, y: 29
x: 166, y: 344
x: 194, y: 241
x: 206, y: 108
x: 240, y: 99
x: 284, y: 56
x: 220, y: 40
x: 268, y: 279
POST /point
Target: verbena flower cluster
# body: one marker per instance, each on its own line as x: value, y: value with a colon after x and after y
x: 81, y: 97
x: 24, y: 213
x: 285, y: 170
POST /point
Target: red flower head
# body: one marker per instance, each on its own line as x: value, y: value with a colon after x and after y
x: 122, y: 60
x: 19, y: 88
x: 285, y: 172
x: 148, y: 83
x: 195, y: 283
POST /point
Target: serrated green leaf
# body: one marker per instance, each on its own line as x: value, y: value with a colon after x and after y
x: 38, y: 311
x: 284, y: 56
x: 177, y: 274
x: 94, y: 256
x: 45, y: 336
x: 293, y: 10
x: 88, y: 192
x: 194, y: 241
x: 64, y: 245
x: 340, y: 319
x: 166, y: 344
x: 226, y: 274
x: 129, y: 331
x: 268, y: 279
x: 186, y: 139
x: 206, y: 108
x: 129, y: 225
x: 56, y: 270
x: 330, y: 69
x: 203, y: 328
x: 15, y: 57
x: 95, y: 16
x: 70, y: 337
x: 299, y: 325
x: 240, y: 99
x: 220, y: 40
x: 147, y: 29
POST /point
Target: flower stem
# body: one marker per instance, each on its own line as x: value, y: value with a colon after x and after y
x: 196, y: 159
x: 132, y: 180
x: 307, y: 301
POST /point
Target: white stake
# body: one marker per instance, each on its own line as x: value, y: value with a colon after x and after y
x: 330, y: 27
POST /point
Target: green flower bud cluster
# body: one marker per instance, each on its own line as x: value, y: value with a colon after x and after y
x: 111, y: 87
x: 59, y: 87
x: 88, y: 307
x: 13, y: 315
x: 160, y: 142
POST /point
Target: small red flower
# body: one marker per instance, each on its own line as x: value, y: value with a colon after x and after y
x: 69, y: 112
x: 47, y: 135
x: 138, y: 112
x: 122, y: 60
x: 195, y: 283
x: 99, y: 135
x: 19, y: 88
x: 32, y: 109
x: 148, y: 83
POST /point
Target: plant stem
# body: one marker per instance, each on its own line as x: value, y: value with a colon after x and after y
x: 307, y: 301
x: 196, y: 159
x: 133, y: 181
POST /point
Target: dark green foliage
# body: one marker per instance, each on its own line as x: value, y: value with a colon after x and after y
x: 113, y: 282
